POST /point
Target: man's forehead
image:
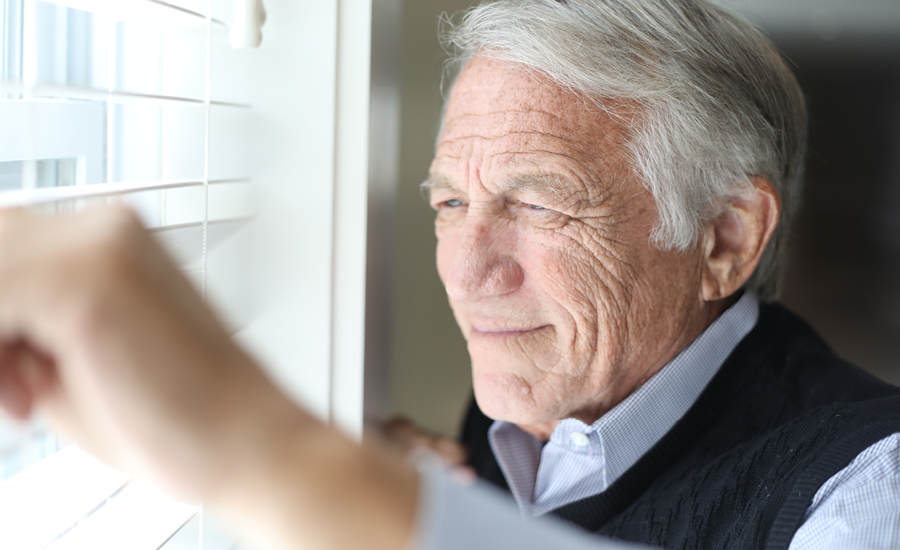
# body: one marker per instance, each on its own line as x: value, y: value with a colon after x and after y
x: 520, y: 132
x: 489, y: 85
x: 492, y: 100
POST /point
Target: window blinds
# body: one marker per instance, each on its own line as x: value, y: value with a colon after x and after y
x: 141, y: 101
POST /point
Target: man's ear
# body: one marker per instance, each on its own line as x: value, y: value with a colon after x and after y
x: 734, y: 242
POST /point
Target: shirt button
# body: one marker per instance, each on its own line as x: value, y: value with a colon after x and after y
x: 579, y: 439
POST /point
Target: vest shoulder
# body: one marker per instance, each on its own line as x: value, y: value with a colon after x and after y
x: 801, y: 364
x: 783, y: 414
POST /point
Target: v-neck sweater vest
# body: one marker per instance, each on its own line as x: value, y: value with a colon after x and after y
x: 740, y: 469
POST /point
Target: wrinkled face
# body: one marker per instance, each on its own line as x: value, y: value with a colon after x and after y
x: 544, y: 248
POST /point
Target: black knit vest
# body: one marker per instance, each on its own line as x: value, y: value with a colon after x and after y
x: 739, y: 470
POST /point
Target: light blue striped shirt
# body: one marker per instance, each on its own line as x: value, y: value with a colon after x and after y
x: 857, y: 508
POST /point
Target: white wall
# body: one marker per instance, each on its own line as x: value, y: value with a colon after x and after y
x: 307, y: 249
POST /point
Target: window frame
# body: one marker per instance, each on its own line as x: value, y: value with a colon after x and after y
x: 322, y: 314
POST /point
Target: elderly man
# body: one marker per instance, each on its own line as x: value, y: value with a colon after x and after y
x: 608, y: 182
x: 609, y: 177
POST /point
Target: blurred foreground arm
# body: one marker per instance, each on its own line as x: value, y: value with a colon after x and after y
x: 101, y: 332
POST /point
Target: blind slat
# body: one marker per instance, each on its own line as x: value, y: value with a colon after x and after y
x: 41, y: 503
x: 96, y: 94
x: 28, y: 197
x: 155, y: 12
x: 203, y: 528
x: 137, y: 518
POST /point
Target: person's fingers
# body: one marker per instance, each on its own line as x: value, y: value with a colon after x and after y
x: 37, y: 370
x: 402, y: 432
x: 133, y: 359
x: 396, y: 427
x: 15, y: 398
x: 452, y: 451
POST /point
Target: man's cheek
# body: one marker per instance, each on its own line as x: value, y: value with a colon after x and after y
x: 446, y: 247
x: 587, y: 298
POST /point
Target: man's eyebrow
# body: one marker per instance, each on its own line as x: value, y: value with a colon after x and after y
x: 435, y: 182
x: 542, y: 182
x: 553, y: 183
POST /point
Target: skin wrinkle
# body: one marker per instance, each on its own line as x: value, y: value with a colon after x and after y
x: 510, y: 119
x: 578, y: 307
x: 511, y: 114
x: 514, y: 133
x: 514, y: 154
x: 522, y: 183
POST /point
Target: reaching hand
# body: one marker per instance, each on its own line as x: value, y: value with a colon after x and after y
x: 100, y: 331
x: 403, y: 433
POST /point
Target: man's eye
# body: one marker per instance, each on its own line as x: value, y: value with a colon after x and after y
x: 535, y: 207
x: 452, y: 203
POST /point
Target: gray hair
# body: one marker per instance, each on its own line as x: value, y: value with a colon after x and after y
x: 717, y: 104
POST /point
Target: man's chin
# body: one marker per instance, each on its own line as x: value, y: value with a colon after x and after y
x: 504, y: 397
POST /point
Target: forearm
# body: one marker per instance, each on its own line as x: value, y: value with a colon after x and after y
x: 104, y: 336
x: 298, y: 483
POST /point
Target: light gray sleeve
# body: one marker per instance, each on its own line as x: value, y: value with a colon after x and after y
x: 859, y: 507
x: 454, y: 515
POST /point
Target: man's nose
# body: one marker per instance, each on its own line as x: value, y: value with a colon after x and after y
x: 482, y: 264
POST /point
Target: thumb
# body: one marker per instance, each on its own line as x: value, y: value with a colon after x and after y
x: 15, y: 397
x: 38, y: 372
x: 25, y: 375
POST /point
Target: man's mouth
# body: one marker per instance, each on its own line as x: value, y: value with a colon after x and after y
x: 489, y: 330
